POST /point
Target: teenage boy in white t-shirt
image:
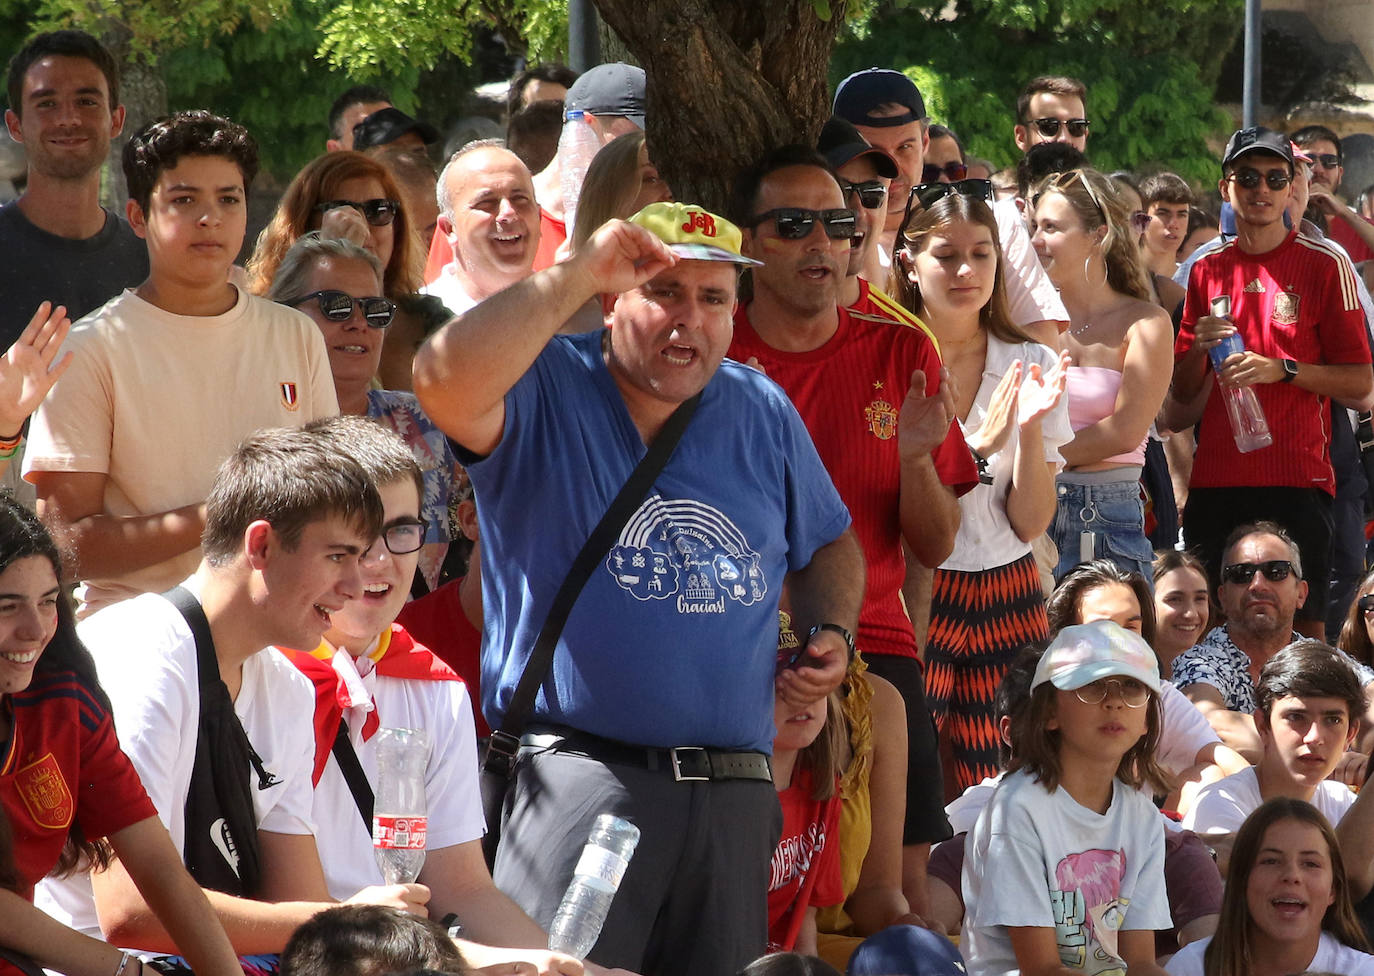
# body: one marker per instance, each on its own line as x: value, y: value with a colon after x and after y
x: 287, y: 522
x: 171, y: 374
x: 371, y: 674
x: 1307, y: 711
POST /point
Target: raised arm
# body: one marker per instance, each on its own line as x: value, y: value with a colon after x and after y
x: 929, y: 510
x: 463, y: 373
x: 29, y: 368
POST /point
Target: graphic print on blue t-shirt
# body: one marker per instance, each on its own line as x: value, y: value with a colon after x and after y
x: 688, y: 550
x: 1089, y: 910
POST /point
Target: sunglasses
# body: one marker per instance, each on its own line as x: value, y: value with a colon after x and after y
x: 1049, y: 128
x: 337, y: 306
x: 1275, y: 570
x: 1248, y: 179
x: 1133, y: 693
x: 378, y: 212
x: 872, y: 194
x: 1366, y: 604
x: 930, y: 173
x: 1327, y: 160
x: 794, y: 223
x: 405, y: 536
x: 1140, y: 220
x: 923, y: 196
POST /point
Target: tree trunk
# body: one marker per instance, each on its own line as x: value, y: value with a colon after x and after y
x: 727, y: 81
x: 143, y: 92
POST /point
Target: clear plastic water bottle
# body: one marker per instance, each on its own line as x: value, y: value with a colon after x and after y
x: 577, y: 923
x: 399, y: 819
x: 1243, y: 409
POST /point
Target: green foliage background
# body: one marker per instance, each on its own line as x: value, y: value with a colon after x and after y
x: 1151, y: 70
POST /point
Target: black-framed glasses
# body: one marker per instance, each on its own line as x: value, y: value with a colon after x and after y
x: 872, y: 194
x: 1275, y: 179
x: 378, y: 212
x: 954, y: 170
x: 337, y: 306
x: 1274, y: 570
x: 1133, y: 693
x: 795, y: 223
x: 923, y: 196
x: 404, y: 536
x: 1327, y: 160
x: 1366, y: 604
x: 1049, y: 128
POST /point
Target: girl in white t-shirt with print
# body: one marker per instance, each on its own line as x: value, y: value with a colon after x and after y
x: 1287, y: 906
x: 1064, y: 871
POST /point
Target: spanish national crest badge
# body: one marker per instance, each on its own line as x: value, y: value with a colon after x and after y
x: 882, y: 419
x: 45, y: 793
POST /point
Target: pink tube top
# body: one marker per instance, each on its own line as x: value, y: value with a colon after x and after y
x: 1092, y: 392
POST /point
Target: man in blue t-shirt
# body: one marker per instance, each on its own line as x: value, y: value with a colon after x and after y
x: 658, y: 704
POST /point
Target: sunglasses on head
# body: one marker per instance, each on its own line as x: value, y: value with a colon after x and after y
x: 1049, y: 128
x: 378, y: 212
x: 1248, y: 179
x: 930, y: 173
x: 923, y: 196
x: 872, y: 194
x: 337, y: 306
x: 795, y: 223
x: 1327, y: 160
x: 1274, y: 570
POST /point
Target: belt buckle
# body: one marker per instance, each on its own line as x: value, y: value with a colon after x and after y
x: 678, y: 775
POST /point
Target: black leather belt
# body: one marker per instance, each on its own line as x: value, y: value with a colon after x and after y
x: 687, y: 764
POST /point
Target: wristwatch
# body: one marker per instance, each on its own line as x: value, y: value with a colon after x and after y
x: 848, y: 637
x: 1290, y: 370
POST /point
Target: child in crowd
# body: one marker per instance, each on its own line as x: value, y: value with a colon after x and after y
x: 66, y: 784
x: 806, y: 864
x: 1287, y: 905
x: 370, y: 940
x: 1065, y: 867
x: 171, y: 375
x: 1308, y: 704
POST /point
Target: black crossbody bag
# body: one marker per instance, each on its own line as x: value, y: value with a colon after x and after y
x: 499, y: 761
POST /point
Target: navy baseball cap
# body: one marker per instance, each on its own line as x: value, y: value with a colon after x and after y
x: 608, y: 89
x: 840, y: 143
x: 906, y: 950
x: 863, y: 91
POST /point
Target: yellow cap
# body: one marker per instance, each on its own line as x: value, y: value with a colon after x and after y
x: 693, y: 233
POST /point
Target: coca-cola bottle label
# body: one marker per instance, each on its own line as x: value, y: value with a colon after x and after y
x: 399, y: 833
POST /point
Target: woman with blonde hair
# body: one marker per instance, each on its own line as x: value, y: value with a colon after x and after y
x: 1121, y: 348
x: 342, y: 194
x: 620, y: 182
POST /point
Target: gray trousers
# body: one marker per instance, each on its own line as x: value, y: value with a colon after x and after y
x: 694, y: 900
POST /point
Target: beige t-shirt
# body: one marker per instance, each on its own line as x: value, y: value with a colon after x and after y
x: 156, y: 401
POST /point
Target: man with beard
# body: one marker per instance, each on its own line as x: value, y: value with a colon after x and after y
x: 1261, y: 589
x: 60, y: 245
x: 875, y: 400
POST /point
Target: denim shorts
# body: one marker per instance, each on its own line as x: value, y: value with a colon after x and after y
x: 1109, y: 505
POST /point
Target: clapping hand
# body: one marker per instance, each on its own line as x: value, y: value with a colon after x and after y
x: 923, y: 422
x: 1041, y: 393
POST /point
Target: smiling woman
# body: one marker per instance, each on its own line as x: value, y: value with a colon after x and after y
x: 1287, y: 905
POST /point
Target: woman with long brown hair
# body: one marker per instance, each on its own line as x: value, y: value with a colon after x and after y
x: 986, y: 598
x: 1121, y: 346
x: 342, y: 194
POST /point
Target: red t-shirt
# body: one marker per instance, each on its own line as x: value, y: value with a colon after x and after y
x: 1344, y: 235
x: 848, y: 392
x: 552, y: 233
x: 437, y: 621
x: 64, y: 765
x: 806, y: 863
x: 1297, y: 302
x: 873, y: 303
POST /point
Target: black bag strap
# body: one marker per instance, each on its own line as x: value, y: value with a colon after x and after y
x: 353, y: 774
x: 505, y: 741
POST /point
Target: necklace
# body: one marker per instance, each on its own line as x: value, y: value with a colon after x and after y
x: 1078, y: 330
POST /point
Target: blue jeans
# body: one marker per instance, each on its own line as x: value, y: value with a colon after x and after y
x: 1113, y: 511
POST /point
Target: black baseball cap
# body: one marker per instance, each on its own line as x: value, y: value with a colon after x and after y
x: 863, y: 91
x: 1257, y: 139
x: 387, y: 125
x: 840, y: 143
x: 609, y: 89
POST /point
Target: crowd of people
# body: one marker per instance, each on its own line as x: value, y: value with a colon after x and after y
x: 936, y: 565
